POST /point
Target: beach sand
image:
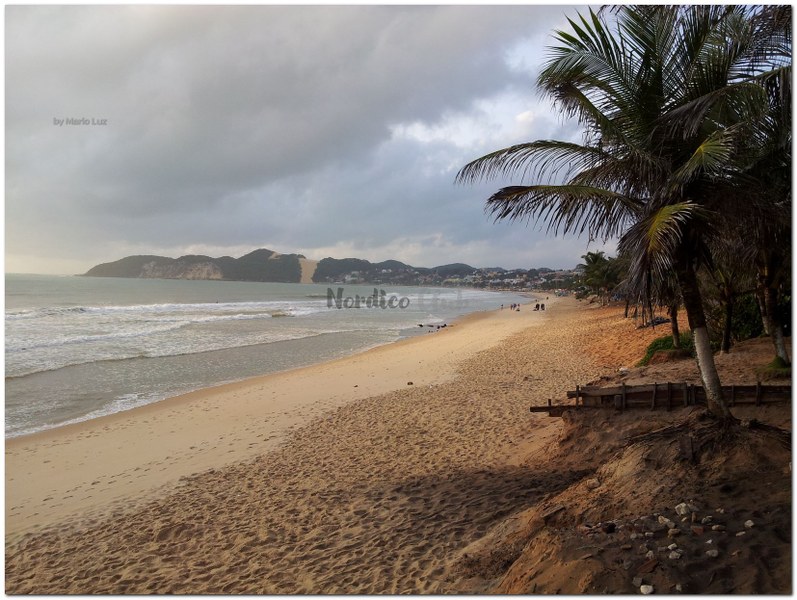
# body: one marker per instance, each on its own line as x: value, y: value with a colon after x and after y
x: 336, y: 478
x: 81, y: 469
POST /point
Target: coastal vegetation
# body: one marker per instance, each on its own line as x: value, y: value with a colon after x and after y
x: 666, y: 344
x: 602, y: 275
x: 686, y: 116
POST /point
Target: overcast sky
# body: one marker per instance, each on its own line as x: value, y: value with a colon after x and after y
x: 323, y: 130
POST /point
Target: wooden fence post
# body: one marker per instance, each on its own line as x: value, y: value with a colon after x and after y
x: 626, y: 397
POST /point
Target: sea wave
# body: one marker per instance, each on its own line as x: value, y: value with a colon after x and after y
x: 76, y: 329
x: 63, y: 340
x: 27, y: 366
x: 265, y: 307
x: 116, y: 405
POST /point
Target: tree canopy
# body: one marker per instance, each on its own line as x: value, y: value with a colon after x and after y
x: 683, y: 110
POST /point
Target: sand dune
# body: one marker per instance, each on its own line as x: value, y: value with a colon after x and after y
x: 308, y: 269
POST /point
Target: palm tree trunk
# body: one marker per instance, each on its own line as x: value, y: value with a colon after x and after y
x: 693, y: 304
x: 775, y: 327
x: 627, y: 305
x: 767, y: 295
x: 676, y: 334
x: 726, y: 330
x: 762, y: 307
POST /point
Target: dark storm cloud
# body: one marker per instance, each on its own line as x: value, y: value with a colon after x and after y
x: 236, y: 126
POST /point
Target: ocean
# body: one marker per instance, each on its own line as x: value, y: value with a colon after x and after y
x: 83, y: 347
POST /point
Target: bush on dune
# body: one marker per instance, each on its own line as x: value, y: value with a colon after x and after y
x: 664, y: 343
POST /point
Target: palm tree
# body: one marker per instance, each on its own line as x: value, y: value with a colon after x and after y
x: 593, y: 258
x: 769, y: 170
x: 602, y: 274
x: 665, y: 293
x: 730, y: 275
x: 594, y: 267
x: 763, y: 173
x: 665, y: 99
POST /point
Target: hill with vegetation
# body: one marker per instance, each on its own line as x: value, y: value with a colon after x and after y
x: 392, y: 271
x: 259, y: 265
x: 267, y: 265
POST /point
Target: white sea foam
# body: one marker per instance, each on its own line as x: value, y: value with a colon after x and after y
x: 48, y: 338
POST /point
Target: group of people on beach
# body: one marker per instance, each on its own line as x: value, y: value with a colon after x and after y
x: 537, y: 306
x: 512, y: 306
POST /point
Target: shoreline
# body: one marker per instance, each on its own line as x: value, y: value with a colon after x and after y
x: 242, y: 362
x: 465, y: 318
x: 83, y: 469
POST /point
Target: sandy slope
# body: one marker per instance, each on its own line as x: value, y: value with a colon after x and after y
x: 629, y: 471
x: 308, y: 269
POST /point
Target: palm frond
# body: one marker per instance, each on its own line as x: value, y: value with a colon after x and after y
x: 592, y: 61
x: 543, y: 158
x: 567, y: 209
x: 653, y: 242
x: 712, y: 157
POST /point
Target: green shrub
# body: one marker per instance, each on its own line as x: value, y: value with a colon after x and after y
x: 777, y: 369
x: 665, y: 343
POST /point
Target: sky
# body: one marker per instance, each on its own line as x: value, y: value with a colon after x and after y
x: 321, y: 130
